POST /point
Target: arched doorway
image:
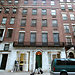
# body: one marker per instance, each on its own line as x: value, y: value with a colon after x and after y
x: 39, y: 59
x: 71, y: 55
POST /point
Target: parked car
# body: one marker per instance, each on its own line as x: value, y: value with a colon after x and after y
x: 63, y: 67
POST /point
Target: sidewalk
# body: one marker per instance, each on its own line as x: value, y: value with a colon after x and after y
x: 20, y: 73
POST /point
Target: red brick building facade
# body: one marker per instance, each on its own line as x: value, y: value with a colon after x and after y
x: 28, y: 27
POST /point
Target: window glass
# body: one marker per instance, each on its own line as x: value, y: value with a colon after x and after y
x: 12, y: 20
x: 4, y: 20
x: 6, y: 47
x: 44, y: 22
x: 33, y: 22
x: 23, y: 22
x: 1, y: 32
x: 34, y: 11
x: 33, y: 37
x: 44, y: 37
x: 21, y: 37
x: 9, y: 33
x: 44, y: 11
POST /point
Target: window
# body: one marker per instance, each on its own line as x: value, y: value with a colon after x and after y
x: 52, y: 3
x: 62, y: 7
x: 34, y: 11
x: 1, y: 32
x: 4, y: 20
x: 54, y: 23
x: 33, y: 38
x: 53, y: 12
x: 64, y: 16
x: 16, y: 1
x: 61, y: 0
x: 12, y: 20
x: 25, y: 1
x: 9, y: 1
x: 7, y: 10
x: 72, y: 17
x: 73, y: 27
x: 6, y: 47
x: 9, y: 33
x: 70, y: 7
x: 24, y: 12
x: 34, y: 21
x: 14, y: 10
x: 68, y: 0
x: 44, y: 12
x: 56, y: 38
x: 44, y: 38
x: 44, y: 22
x: 68, y: 40
x: 44, y: 1
x: 34, y: 2
x: 23, y: 22
x: 66, y: 28
x: 21, y: 37
x: 0, y: 10
x: 73, y: 0
x: 2, y: 1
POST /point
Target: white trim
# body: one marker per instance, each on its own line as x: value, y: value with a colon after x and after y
x: 55, y: 31
x: 10, y: 28
x: 65, y: 24
x: 44, y: 31
x: 67, y: 36
x: 4, y: 52
x: 73, y: 24
x: 33, y: 31
x: 22, y: 31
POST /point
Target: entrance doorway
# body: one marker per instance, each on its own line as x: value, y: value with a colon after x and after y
x: 39, y: 59
x: 4, y: 61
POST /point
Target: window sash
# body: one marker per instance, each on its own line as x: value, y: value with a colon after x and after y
x: 53, y: 12
x: 23, y: 22
x: 21, y: 37
x: 33, y: 38
x: 44, y: 22
x: 33, y: 23
x: 4, y: 20
x: 14, y: 10
x: 6, y: 47
x: 67, y: 30
x: 16, y: 1
x: 9, y: 33
x: 24, y: 11
x: 54, y: 23
x: 52, y: 3
x: 25, y: 1
x: 1, y: 32
x: 12, y: 20
x: 56, y: 37
x: 44, y: 11
x: 34, y: 11
x: 44, y: 37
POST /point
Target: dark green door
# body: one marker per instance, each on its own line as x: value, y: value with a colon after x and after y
x: 39, y: 60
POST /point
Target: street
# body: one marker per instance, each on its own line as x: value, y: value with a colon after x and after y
x: 21, y: 73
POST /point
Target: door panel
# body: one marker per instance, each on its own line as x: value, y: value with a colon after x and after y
x: 4, y: 61
x: 39, y: 60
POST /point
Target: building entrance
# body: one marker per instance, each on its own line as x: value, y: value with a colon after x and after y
x: 4, y: 61
x: 39, y: 59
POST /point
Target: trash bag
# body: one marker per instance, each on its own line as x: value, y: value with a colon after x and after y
x: 41, y: 71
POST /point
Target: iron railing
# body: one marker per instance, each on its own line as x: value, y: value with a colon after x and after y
x: 38, y: 44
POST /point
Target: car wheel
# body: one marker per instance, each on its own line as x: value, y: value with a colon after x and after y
x: 63, y: 73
